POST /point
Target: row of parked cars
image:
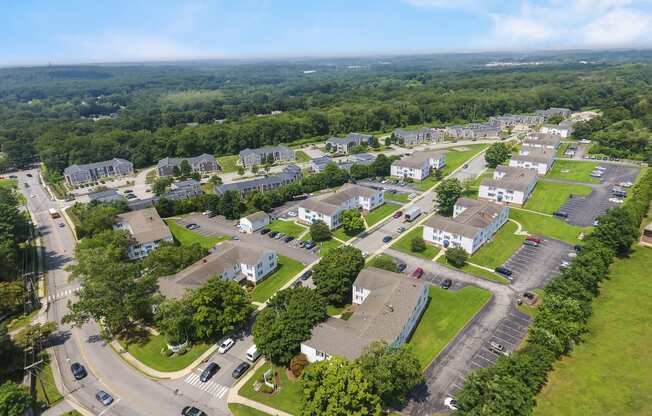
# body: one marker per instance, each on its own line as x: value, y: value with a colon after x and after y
x: 276, y: 234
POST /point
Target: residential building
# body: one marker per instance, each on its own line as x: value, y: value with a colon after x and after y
x: 230, y: 260
x: 362, y: 158
x: 344, y: 144
x: 290, y: 174
x: 564, y: 130
x: 511, y: 120
x: 184, y: 190
x: 109, y: 195
x: 250, y: 157
x: 473, y: 224
x: 203, y: 163
x: 554, y: 111
x: 254, y: 222
x: 318, y: 164
x: 418, y: 165
x: 542, y: 140
x: 537, y: 159
x: 387, y: 307
x: 147, y: 229
x: 509, y: 185
x: 91, y: 172
x: 422, y: 135
x: 329, y: 207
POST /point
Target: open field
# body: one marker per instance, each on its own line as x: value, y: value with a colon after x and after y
x: 500, y: 248
x: 149, y: 353
x: 287, y: 227
x: 548, y: 226
x: 287, y: 269
x: 404, y: 244
x: 186, y: 237
x: 287, y: 398
x: 446, y: 314
x: 573, y: 171
x: 549, y: 196
x: 476, y: 271
x: 228, y: 163
x: 379, y: 213
x: 610, y: 373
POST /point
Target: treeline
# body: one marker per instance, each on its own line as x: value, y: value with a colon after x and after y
x: 508, y: 388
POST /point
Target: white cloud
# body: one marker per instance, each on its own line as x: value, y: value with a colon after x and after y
x: 618, y: 28
x: 515, y: 30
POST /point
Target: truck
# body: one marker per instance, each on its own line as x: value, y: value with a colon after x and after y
x: 54, y: 213
x: 412, y: 213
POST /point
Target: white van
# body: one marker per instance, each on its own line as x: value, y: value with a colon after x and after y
x: 252, y: 353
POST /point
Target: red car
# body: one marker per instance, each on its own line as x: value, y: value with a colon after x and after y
x: 418, y: 272
x: 398, y: 214
x: 534, y: 239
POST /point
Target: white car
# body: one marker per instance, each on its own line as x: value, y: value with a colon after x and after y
x: 564, y: 264
x: 412, y: 196
x: 205, y: 213
x: 616, y: 200
x: 32, y: 196
x: 365, y: 254
x: 226, y: 345
x: 625, y: 184
x: 292, y: 214
x: 451, y: 403
x: 585, y: 141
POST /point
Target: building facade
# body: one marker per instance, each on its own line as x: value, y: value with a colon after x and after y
x: 542, y: 140
x: 254, y: 222
x: 202, y: 164
x: 562, y: 130
x: 250, y: 157
x: 290, y: 174
x: 536, y: 159
x: 509, y: 185
x: 184, y: 190
x: 91, y: 172
x: 418, y: 166
x: 328, y: 208
x: 344, y: 144
x: 147, y: 230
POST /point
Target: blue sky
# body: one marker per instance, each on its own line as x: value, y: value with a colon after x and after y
x: 71, y: 31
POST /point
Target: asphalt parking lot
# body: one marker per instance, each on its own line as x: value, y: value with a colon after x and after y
x: 389, y: 186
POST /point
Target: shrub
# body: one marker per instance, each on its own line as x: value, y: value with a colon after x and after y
x: 457, y: 256
x: 418, y: 245
x: 298, y: 363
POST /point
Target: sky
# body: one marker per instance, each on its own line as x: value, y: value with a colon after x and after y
x: 82, y: 31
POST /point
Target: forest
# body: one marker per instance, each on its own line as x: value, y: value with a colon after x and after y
x: 81, y: 114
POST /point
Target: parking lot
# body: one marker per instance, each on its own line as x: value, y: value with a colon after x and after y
x: 532, y: 267
x: 389, y: 184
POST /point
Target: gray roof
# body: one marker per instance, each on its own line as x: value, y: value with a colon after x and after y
x: 190, y: 183
x: 382, y: 316
x: 416, y: 160
x: 77, y: 168
x: 257, y: 216
x: 330, y: 203
x: 289, y: 174
x: 546, y: 139
x: 145, y: 225
x: 517, y: 179
x: 321, y: 162
x: 536, y: 155
x: 363, y: 158
x: 109, y: 193
x: 176, y: 161
x: 265, y: 150
x: 476, y: 216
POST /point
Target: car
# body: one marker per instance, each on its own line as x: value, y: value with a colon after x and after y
x: 446, y: 283
x: 564, y: 264
x: 208, y: 372
x: 387, y: 239
x: 535, y: 239
x: 310, y: 245
x: 365, y: 254
x: 272, y: 234
x: 451, y: 403
x: 530, y: 243
x: 306, y: 275
x: 572, y: 254
x: 104, y: 397
x: 192, y: 411
x: 397, y: 214
x: 497, y: 348
x: 128, y: 191
x: 29, y: 175
x: 292, y: 213
x: 61, y: 225
x: 212, y: 214
x: 78, y: 371
x: 578, y: 248
x: 32, y: 196
x: 207, y: 213
x: 279, y: 236
x: 466, y: 166
x: 412, y: 196
x: 400, y: 267
x: 400, y: 230
x: 616, y: 200
x: 240, y: 369
x: 226, y: 345
x: 296, y: 283
x: 288, y: 238
x: 13, y: 177
x: 418, y: 272
x: 265, y: 231
x: 596, y: 223
x: 235, y: 237
x: 585, y: 141
x: 503, y: 270
x: 131, y: 196
x: 626, y: 184
x: 192, y: 226
x: 560, y: 214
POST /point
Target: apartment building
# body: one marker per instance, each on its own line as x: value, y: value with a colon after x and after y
x: 509, y: 186
x: 250, y: 157
x: 91, y: 172
x: 563, y: 130
x: 184, y: 190
x: 344, y: 144
x: 418, y: 136
x: 542, y: 140
x: 202, y: 164
x: 290, y: 174
x: 147, y: 230
x: 418, y: 165
x: 538, y: 159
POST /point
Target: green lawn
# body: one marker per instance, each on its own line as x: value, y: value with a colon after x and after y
x: 610, y: 373
x: 548, y: 226
x: 287, y: 227
x: 149, y: 353
x: 497, y: 251
x: 404, y: 244
x: 301, y: 156
x: 8, y: 183
x: 396, y: 197
x: 446, y: 314
x: 455, y: 158
x: 476, y: 271
x: 379, y: 213
x: 22, y: 320
x: 334, y: 310
x: 426, y: 184
x: 228, y: 163
x: 573, y: 171
x: 187, y: 237
x: 562, y: 149
x: 50, y: 388
x: 242, y: 410
x: 287, y: 269
x: 549, y: 196
x: 339, y: 233
x: 287, y: 397
x: 328, y: 245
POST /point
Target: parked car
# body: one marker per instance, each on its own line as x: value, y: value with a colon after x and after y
x: 192, y: 411
x: 446, y: 283
x: 296, y: 283
x: 29, y: 175
x: 278, y: 236
x: 306, y: 275
x: 61, y: 225
x: 292, y: 213
x: 226, y: 345
x: 412, y: 196
x: 209, y: 372
x: 104, y: 397
x: 578, y: 248
x: 131, y: 196
x: 192, y: 226
x: 387, y: 239
x: 398, y: 214
x: 401, y: 267
x: 128, y: 191
x: 288, y: 238
x: 535, y: 239
x: 560, y: 214
x: 503, y: 270
x: 400, y: 230
x: 616, y: 200
x: 212, y: 214
x: 564, y: 264
x: 531, y: 243
x: 626, y: 184
x: 309, y: 245
x: 365, y: 254
x: 418, y: 272
x: 272, y: 234
x: 265, y: 231
x: 240, y: 369
x: 585, y: 141
x: 78, y: 371
x: 451, y: 403
x: 497, y: 348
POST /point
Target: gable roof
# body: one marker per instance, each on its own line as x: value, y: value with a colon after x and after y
x: 517, y: 179
x: 145, y: 225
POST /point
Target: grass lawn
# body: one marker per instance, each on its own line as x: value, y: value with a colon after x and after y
x: 548, y: 226
x: 333, y: 310
x: 149, y: 353
x: 498, y: 250
x: 476, y: 271
x: 228, y: 163
x: 381, y: 212
x: 287, y: 269
x: 427, y: 183
x: 446, y: 314
x: 455, y: 158
x: 404, y: 244
x: 573, y: 171
x: 562, y: 149
x: 50, y: 390
x: 287, y: 227
x: 609, y: 373
x: 301, y: 156
x: 339, y: 233
x: 287, y: 398
x: 549, y: 196
x: 22, y: 320
x: 242, y: 410
x: 327, y: 246
x: 8, y: 183
x: 186, y: 237
x: 396, y: 197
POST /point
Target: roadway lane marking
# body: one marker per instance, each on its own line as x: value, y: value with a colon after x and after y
x: 108, y: 407
x: 62, y: 294
x: 210, y: 387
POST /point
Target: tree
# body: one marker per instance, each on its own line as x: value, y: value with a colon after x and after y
x: 617, y: 230
x: 185, y: 168
x: 254, y: 169
x: 298, y: 363
x: 219, y: 307
x: 489, y: 392
x: 457, y: 256
x: 230, y: 204
x: 352, y: 222
x: 359, y: 171
x: 334, y: 274
x: 97, y: 217
x: 241, y: 170
x: 381, y: 166
x: 286, y: 322
x: 35, y: 334
x: 319, y: 231
x: 168, y: 258
x: 448, y: 192
x: 392, y: 371
x: 383, y: 262
x: 12, y: 295
x: 215, y: 180
x: 336, y: 387
x: 15, y: 400
x: 174, y: 318
x: 417, y: 244
x: 160, y: 186
x: 497, y: 154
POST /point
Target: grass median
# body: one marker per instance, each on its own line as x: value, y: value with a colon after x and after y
x: 380, y: 213
x: 404, y: 244
x: 548, y: 197
x: 186, y: 237
x: 573, y: 171
x: 148, y: 352
x: 287, y: 227
x: 286, y: 398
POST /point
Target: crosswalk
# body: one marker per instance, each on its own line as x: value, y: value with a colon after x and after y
x: 209, y: 387
x: 62, y: 294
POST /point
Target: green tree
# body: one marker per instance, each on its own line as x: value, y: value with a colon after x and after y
x: 185, y: 168
x: 230, y: 204
x: 219, y: 307
x: 359, y: 171
x: 161, y: 185
x: 383, y: 262
x: 457, y: 256
x: 174, y: 318
x: 489, y: 392
x: 448, y: 192
x: 254, y: 169
x: 215, y: 180
x: 168, y: 258
x: 617, y: 230
x: 496, y: 154
x: 15, y: 400
x: 319, y: 231
x: 240, y: 170
x: 97, y: 217
x: 35, y: 334
x: 335, y: 273
x: 352, y: 222
x: 417, y: 244
x: 381, y: 166
x: 336, y: 387
x: 12, y: 296
x: 392, y: 371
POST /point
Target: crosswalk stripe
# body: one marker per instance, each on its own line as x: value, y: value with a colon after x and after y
x: 224, y: 390
x: 210, y: 387
x: 193, y: 378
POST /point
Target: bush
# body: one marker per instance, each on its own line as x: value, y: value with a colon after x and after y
x: 457, y: 256
x: 383, y: 262
x: 319, y: 231
x: 417, y: 244
x: 298, y: 363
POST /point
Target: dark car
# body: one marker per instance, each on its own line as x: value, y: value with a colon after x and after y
x: 503, y: 270
x: 531, y: 243
x: 418, y: 272
x: 192, y: 226
x: 29, y: 175
x: 296, y: 283
x: 387, y: 239
x: 401, y: 267
x: 240, y: 369
x: 535, y: 239
x: 104, y: 397
x: 265, y: 231
x: 560, y: 214
x: 78, y: 371
x: 447, y: 283
x: 398, y: 214
x: 131, y: 196
x: 13, y: 177
x: 309, y: 245
x: 306, y: 275
x: 272, y: 234
x: 578, y: 248
x: 192, y: 411
x: 209, y: 372
x: 288, y: 239
x: 212, y: 214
